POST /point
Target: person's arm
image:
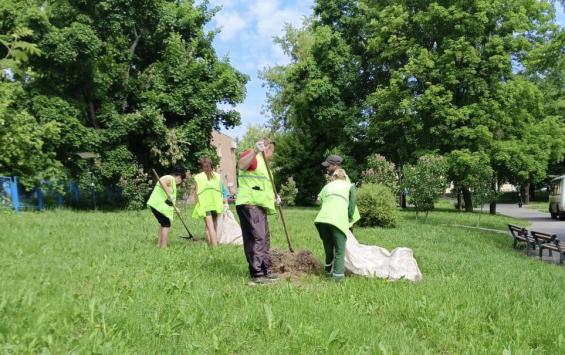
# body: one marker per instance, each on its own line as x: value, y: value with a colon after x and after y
x: 194, y: 192
x: 352, y: 202
x: 166, y: 184
x: 247, y: 157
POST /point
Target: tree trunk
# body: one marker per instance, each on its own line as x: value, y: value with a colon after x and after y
x: 492, y: 207
x: 92, y: 114
x: 131, y: 50
x: 468, y: 200
x: 402, y: 200
x: 525, y: 190
x: 532, y: 192
x: 459, y: 200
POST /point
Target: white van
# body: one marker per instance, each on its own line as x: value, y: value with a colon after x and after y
x: 557, y: 197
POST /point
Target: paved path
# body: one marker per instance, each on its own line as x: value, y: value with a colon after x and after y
x: 541, y: 221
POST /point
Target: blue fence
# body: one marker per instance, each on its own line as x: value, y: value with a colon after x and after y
x: 9, y: 196
x: 14, y: 197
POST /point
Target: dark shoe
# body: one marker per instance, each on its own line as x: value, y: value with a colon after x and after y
x: 271, y: 276
x: 261, y: 280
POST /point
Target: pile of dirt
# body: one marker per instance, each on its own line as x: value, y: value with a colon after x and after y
x: 297, y: 263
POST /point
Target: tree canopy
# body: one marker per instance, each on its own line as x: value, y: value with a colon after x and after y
x: 138, y: 83
x: 406, y: 78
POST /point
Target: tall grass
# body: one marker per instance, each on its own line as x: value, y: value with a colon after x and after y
x: 94, y: 282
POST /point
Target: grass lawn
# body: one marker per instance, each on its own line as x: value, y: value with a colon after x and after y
x: 539, y: 205
x: 93, y: 282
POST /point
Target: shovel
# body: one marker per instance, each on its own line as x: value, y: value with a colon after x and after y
x: 279, y: 206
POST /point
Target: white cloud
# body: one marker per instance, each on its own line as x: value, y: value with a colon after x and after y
x: 231, y: 25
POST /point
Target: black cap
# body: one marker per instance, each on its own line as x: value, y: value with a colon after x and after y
x: 334, y: 160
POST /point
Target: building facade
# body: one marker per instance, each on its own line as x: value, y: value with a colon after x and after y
x: 225, y: 148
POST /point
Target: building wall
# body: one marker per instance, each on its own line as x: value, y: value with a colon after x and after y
x: 225, y: 148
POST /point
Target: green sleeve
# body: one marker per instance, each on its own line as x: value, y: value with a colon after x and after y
x: 352, y: 202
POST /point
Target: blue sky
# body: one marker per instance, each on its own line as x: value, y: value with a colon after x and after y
x: 247, y: 28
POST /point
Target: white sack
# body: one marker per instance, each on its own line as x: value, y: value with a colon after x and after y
x: 374, y: 261
x: 229, y: 231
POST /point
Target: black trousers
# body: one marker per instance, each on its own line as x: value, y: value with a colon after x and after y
x: 256, y: 239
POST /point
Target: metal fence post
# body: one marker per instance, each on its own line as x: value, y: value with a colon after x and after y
x: 39, y: 193
x: 14, y: 193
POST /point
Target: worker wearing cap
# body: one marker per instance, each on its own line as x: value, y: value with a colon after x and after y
x: 255, y: 200
x: 333, y: 221
x: 332, y: 164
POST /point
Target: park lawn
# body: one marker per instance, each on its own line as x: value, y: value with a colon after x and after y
x: 542, y: 206
x: 87, y: 282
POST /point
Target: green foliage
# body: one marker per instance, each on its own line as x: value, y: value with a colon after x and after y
x: 381, y: 171
x: 288, y: 192
x: 138, y: 84
x: 136, y: 188
x: 473, y: 174
x: 252, y: 135
x: 377, y: 206
x: 407, y: 78
x: 425, y: 182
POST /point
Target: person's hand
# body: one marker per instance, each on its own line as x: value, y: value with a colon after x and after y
x: 278, y: 200
x: 259, y: 147
x: 177, y: 209
x: 226, y: 207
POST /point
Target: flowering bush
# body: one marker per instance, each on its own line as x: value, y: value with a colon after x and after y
x: 381, y: 171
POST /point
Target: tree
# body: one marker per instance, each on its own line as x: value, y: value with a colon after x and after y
x: 137, y: 83
x: 252, y: 135
x: 425, y: 182
x: 406, y: 78
x: 288, y: 192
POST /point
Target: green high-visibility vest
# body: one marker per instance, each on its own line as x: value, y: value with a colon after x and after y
x: 210, y: 197
x: 254, y: 187
x: 335, y: 203
x: 159, y: 196
x: 356, y: 215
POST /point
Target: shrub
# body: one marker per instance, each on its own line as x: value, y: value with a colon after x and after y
x: 377, y: 206
x: 288, y: 192
x: 381, y: 171
x: 135, y: 189
x: 425, y: 182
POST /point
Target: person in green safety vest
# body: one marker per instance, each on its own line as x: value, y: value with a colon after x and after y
x: 332, y: 163
x: 211, y: 199
x: 162, y: 207
x: 255, y: 200
x: 333, y: 221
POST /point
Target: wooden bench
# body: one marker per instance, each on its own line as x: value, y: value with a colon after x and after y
x: 521, y: 235
x: 541, y: 238
x: 551, y: 243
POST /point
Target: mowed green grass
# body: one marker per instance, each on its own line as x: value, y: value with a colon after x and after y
x: 93, y: 282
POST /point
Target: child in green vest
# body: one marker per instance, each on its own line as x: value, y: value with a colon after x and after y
x: 163, y: 207
x: 211, y: 199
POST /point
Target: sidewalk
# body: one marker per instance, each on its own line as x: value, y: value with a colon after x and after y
x: 541, y: 221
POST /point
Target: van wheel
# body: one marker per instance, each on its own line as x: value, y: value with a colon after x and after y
x: 553, y: 215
